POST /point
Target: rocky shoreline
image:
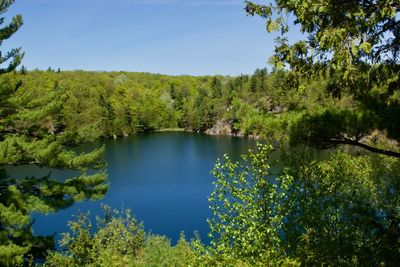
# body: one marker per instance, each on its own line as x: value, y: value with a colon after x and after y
x: 223, y: 127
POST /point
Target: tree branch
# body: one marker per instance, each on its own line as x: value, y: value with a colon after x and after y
x: 346, y: 141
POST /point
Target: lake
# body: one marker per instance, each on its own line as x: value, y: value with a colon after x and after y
x: 163, y: 177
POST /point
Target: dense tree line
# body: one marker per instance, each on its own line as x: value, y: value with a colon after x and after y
x: 103, y: 104
x: 265, y: 104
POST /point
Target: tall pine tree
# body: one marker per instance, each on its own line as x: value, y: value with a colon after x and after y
x: 29, y: 135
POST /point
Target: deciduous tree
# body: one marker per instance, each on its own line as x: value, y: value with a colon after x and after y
x: 356, y: 45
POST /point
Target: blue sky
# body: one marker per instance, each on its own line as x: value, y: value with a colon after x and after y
x: 196, y: 37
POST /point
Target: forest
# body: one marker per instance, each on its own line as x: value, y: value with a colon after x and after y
x: 100, y: 105
x: 338, y: 90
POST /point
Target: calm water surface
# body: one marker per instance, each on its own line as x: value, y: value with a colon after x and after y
x: 164, y: 178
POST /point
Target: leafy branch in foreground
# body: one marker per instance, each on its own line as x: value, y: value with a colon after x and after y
x: 249, y: 208
x: 355, y: 45
x: 340, y: 211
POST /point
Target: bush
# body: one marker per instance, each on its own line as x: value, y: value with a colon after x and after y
x: 343, y: 211
x: 118, y: 241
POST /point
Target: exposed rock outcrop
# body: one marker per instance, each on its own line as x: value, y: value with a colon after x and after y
x: 221, y: 127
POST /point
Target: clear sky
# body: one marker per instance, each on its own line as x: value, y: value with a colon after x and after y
x: 196, y: 37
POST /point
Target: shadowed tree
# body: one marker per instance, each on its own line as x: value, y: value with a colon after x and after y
x: 355, y: 45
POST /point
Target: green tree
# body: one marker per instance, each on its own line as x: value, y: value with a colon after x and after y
x: 249, y: 208
x: 27, y: 137
x: 342, y: 211
x: 355, y: 45
x: 216, y: 87
x: 202, y: 111
x: 119, y: 240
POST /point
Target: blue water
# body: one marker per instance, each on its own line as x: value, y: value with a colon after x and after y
x: 164, y: 178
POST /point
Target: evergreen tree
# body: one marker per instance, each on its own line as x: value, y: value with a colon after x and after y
x: 216, y: 87
x: 27, y: 137
x: 23, y: 70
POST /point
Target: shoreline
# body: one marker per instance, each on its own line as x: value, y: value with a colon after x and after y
x: 172, y: 130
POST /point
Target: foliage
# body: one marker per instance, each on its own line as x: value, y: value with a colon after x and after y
x: 118, y: 241
x: 341, y: 36
x: 340, y: 211
x: 102, y: 105
x: 345, y: 211
x: 249, y: 207
x: 28, y: 127
x: 354, y: 44
x: 327, y: 127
